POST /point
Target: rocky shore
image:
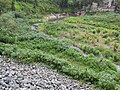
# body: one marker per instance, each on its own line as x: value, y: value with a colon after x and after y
x: 16, y: 76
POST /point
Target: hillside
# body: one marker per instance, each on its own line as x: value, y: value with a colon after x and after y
x: 65, y: 35
x: 97, y: 34
x: 72, y: 46
x: 28, y: 8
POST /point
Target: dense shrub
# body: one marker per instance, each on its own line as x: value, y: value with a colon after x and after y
x: 25, y: 45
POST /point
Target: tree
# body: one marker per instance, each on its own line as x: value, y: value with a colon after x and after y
x: 117, y: 6
x: 88, y: 3
x: 35, y: 3
x: 5, y: 5
x: 13, y: 5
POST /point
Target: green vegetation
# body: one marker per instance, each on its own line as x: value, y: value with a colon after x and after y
x: 28, y: 7
x: 85, y: 47
x: 18, y: 41
x: 96, y: 34
x: 38, y: 7
x: 117, y: 7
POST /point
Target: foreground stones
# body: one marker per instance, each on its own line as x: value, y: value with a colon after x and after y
x: 15, y: 76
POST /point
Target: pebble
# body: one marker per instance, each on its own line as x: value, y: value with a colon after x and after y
x: 16, y: 76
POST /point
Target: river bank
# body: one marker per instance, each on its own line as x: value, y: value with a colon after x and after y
x: 16, y: 76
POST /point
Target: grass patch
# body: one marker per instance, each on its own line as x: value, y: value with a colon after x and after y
x: 96, y: 34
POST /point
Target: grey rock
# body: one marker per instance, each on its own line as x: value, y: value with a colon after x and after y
x: 16, y: 76
x: 2, y: 83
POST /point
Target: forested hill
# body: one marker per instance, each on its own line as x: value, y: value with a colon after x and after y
x: 29, y: 7
x: 56, y: 6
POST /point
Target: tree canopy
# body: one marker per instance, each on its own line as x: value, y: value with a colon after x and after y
x: 64, y: 5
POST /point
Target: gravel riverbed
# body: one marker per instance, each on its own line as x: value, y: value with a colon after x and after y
x: 16, y: 76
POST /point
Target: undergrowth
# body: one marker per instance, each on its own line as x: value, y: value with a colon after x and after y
x: 18, y: 41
